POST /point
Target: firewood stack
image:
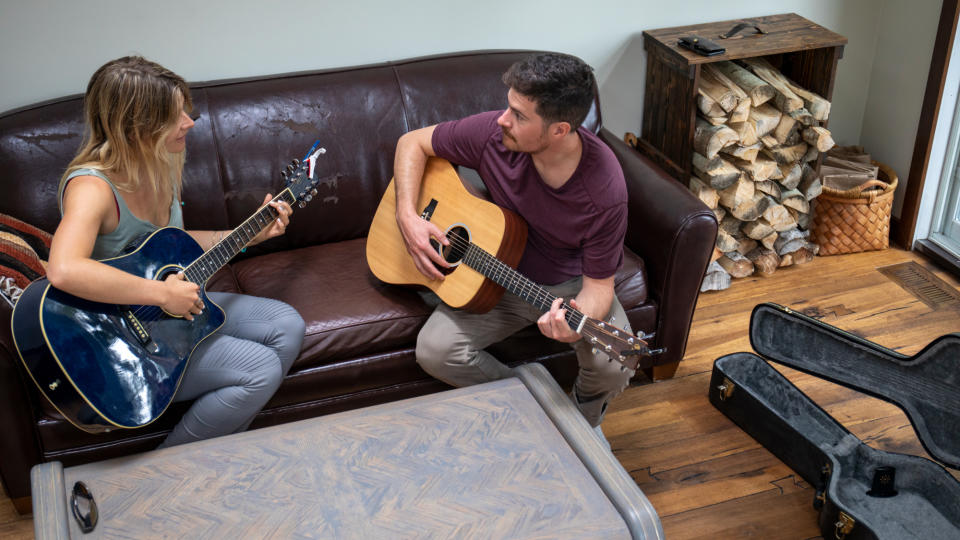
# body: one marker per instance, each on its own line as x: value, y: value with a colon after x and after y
x: 757, y: 139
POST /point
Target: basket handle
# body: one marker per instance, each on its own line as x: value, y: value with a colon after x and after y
x: 871, y: 195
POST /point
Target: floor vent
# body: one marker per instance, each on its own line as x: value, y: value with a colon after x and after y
x: 921, y: 283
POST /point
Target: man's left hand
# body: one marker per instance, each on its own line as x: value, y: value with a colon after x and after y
x: 553, y: 323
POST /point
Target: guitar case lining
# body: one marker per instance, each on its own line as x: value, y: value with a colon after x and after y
x: 924, y: 500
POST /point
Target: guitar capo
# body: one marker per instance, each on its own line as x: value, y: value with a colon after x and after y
x: 311, y: 158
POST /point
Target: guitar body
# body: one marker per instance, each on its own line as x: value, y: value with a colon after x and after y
x: 105, y: 366
x: 497, y: 231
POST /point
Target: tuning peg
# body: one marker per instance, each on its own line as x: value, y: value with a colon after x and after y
x: 296, y: 162
x: 302, y: 204
x: 308, y: 198
x: 313, y: 192
x: 593, y: 339
x: 283, y: 174
x: 616, y: 333
x: 607, y: 348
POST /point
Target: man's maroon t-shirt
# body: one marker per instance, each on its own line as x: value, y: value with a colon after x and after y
x: 575, y: 230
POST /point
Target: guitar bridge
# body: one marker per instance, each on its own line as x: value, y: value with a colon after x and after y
x: 138, y: 330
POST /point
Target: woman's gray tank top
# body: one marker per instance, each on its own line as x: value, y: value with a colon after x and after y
x: 129, y: 229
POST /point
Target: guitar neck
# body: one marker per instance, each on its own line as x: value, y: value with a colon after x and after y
x: 206, y: 265
x: 515, y: 282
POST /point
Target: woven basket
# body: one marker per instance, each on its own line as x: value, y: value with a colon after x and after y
x: 857, y: 219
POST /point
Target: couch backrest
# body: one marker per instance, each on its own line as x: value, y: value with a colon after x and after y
x: 249, y: 129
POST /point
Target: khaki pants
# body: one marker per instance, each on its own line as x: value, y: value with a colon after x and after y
x: 450, y: 348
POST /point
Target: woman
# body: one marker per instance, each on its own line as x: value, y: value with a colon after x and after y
x: 125, y: 181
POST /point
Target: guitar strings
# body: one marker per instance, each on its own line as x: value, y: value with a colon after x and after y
x: 590, y: 328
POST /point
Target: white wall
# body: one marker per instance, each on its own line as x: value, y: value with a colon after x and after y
x: 49, y: 48
x: 897, y: 83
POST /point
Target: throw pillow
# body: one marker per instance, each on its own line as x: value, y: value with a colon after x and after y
x: 24, y: 250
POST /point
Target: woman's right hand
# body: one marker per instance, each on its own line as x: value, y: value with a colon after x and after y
x: 182, y: 297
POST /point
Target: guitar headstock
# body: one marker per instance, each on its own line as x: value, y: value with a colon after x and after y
x: 617, y: 344
x: 300, y: 176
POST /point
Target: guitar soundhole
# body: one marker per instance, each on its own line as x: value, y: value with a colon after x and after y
x: 459, y: 239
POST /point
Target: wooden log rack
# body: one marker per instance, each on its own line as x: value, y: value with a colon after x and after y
x: 803, y: 51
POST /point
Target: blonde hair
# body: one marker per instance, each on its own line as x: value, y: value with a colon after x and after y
x: 130, y: 107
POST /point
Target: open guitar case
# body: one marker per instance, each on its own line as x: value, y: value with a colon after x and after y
x: 861, y: 492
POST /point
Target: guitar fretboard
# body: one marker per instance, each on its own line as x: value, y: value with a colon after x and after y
x: 206, y: 265
x: 500, y: 273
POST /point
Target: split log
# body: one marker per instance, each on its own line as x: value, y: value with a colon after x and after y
x: 742, y: 112
x: 759, y: 91
x: 739, y: 192
x: 720, y: 212
x: 778, y: 217
x: 770, y: 240
x: 766, y: 118
x: 708, y: 106
x: 731, y: 226
x: 790, y: 241
x: 716, y: 254
x: 810, y: 185
x: 818, y: 138
x: 794, y: 199
x: 718, y: 172
x: 709, y: 139
x: 716, y: 120
x: 758, y: 230
x: 803, y: 219
x: 746, y: 153
x: 785, y: 99
x: 771, y: 188
x: 705, y: 193
x: 786, y: 260
x: 736, y: 264
x: 792, y: 173
x: 759, y: 169
x: 723, y: 95
x: 802, y: 255
x: 746, y: 245
x: 746, y: 132
x: 818, y: 106
x: 803, y: 116
x: 769, y: 141
x: 785, y: 127
x: 717, y: 279
x: 726, y: 242
x: 786, y: 155
x: 765, y: 261
x: 753, y: 209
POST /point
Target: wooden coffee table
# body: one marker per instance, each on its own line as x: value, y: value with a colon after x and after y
x: 507, y: 459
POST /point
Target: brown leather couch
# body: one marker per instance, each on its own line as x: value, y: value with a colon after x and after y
x: 360, y: 334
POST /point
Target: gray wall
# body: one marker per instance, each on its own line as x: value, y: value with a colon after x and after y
x: 49, y: 48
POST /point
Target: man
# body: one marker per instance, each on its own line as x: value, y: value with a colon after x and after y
x: 535, y: 160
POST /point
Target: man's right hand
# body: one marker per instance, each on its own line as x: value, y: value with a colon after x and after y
x: 417, y: 233
x: 182, y: 297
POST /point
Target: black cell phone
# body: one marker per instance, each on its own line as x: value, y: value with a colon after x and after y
x: 701, y: 45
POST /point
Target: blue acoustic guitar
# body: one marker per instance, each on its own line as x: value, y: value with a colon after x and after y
x: 106, y: 366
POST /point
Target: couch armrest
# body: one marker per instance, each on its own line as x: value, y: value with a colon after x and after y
x: 18, y: 446
x: 674, y: 233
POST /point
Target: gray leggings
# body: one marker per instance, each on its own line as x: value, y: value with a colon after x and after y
x: 233, y: 373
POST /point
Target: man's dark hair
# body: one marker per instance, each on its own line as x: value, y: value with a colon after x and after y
x: 560, y: 84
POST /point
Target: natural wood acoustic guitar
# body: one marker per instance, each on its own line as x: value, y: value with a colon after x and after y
x: 486, y: 243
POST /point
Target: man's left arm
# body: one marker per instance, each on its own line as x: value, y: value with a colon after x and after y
x: 593, y: 300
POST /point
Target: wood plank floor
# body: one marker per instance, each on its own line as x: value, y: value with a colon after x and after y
x: 706, y: 477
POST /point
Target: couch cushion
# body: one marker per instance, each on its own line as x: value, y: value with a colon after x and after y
x: 348, y: 312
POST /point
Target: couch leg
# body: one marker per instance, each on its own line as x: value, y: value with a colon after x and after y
x: 659, y: 373
x: 23, y: 505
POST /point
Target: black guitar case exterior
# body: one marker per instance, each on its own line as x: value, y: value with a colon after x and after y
x: 861, y: 492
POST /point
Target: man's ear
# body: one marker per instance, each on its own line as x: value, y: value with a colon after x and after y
x: 559, y: 129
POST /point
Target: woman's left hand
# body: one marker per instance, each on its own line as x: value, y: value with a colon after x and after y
x: 279, y: 226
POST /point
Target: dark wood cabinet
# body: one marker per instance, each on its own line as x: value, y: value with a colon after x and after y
x: 802, y: 50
